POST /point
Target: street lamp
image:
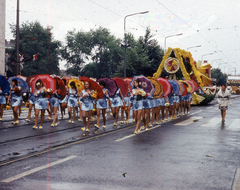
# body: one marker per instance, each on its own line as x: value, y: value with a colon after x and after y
x: 206, y: 54
x: 234, y: 70
x: 228, y: 68
x: 221, y: 64
x: 193, y: 47
x: 215, y: 60
x: 168, y: 37
x: 125, y: 38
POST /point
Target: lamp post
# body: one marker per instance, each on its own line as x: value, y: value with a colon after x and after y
x: 215, y: 60
x: 165, y: 40
x: 234, y: 70
x: 193, y: 47
x: 17, y: 40
x: 125, y: 38
x: 225, y: 67
x: 205, y: 55
x: 221, y: 64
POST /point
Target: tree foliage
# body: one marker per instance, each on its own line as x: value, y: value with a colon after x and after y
x: 96, y: 46
x: 143, y: 56
x: 35, y: 39
x: 217, y: 74
x: 76, y: 51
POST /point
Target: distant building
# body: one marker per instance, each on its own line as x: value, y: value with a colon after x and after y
x: 2, y: 36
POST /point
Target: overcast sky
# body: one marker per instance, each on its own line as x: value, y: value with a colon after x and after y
x: 213, y: 24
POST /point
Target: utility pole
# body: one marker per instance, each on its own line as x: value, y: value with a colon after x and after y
x: 17, y: 40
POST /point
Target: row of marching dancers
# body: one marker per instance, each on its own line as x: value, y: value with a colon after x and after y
x: 145, y: 108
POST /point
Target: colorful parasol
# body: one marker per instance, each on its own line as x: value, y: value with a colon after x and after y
x: 22, y: 77
x: 193, y: 84
x: 128, y: 80
x: 23, y: 84
x: 189, y: 87
x: 175, y: 87
x: 183, y: 88
x: 60, y: 87
x: 167, y: 88
x: 78, y: 84
x: 95, y: 86
x: 158, y: 88
x: 4, y: 84
x: 83, y: 78
x: 122, y: 85
x: 111, y: 85
x: 146, y: 84
x: 48, y: 82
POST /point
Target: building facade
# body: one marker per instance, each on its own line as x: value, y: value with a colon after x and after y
x: 2, y: 36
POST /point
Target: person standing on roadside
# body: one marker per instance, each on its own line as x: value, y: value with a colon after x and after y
x: 224, y: 98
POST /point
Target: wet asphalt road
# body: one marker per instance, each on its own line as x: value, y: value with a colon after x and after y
x: 194, y: 152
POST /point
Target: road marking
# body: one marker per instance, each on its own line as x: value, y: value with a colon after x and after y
x: 212, y: 122
x: 196, y: 112
x: 126, y: 137
x: 209, y: 108
x: 129, y: 136
x: 236, y: 183
x: 188, y: 121
x: 37, y: 169
x: 235, y: 124
x: 66, y: 145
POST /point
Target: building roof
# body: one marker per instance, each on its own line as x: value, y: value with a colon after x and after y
x: 233, y: 77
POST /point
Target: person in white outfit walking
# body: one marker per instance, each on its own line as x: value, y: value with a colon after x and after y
x: 224, y: 98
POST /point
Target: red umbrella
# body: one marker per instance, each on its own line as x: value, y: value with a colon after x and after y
x: 128, y: 80
x: 122, y: 85
x: 48, y: 82
x: 60, y: 87
x: 94, y: 85
x: 185, y: 89
x: 193, y: 84
x: 83, y: 78
x: 167, y: 88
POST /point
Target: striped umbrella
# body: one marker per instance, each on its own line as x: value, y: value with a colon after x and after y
x: 158, y: 88
x: 167, y: 88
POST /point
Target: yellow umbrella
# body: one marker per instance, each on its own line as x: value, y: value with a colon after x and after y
x: 158, y: 88
x: 189, y: 88
x: 78, y: 84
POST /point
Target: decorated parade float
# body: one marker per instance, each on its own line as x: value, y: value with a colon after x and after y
x: 178, y: 64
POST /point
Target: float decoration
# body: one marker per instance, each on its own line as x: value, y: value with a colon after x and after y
x: 178, y: 64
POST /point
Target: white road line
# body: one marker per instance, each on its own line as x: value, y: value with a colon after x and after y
x: 209, y: 108
x: 188, y: 121
x: 235, y: 125
x: 129, y: 136
x: 37, y: 169
x: 196, y: 112
x: 212, y: 122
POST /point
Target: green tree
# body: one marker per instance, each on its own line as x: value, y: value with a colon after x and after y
x: 76, y: 51
x: 143, y: 56
x: 35, y: 39
x: 106, y: 52
x: 217, y: 74
x: 99, y: 47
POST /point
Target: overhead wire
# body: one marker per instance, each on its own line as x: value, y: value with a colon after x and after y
x: 192, y: 28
